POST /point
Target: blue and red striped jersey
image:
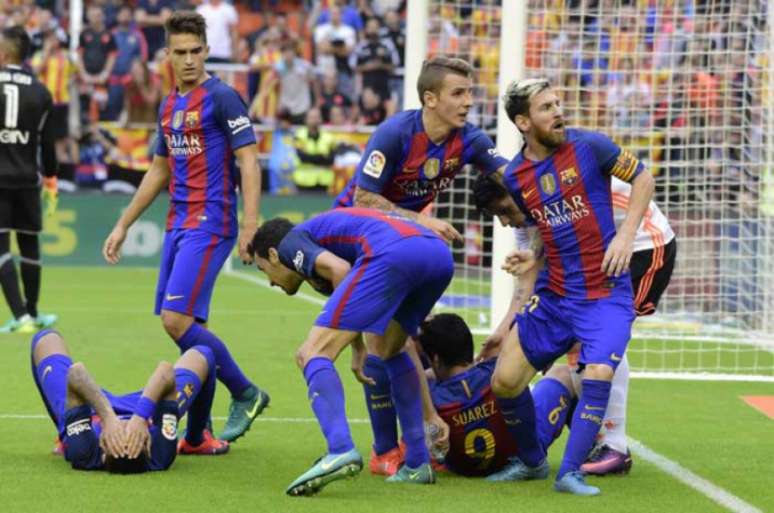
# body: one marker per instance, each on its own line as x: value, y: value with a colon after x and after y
x: 567, y: 196
x: 479, y: 441
x: 199, y: 132
x: 349, y: 233
x: 402, y: 164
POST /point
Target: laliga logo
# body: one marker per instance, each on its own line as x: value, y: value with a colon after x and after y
x: 298, y: 261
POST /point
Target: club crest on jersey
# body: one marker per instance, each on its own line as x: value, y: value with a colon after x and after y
x: 177, y: 121
x: 432, y: 168
x: 191, y: 119
x: 568, y: 176
x: 450, y: 164
x: 169, y: 426
x: 375, y: 164
x: 547, y: 183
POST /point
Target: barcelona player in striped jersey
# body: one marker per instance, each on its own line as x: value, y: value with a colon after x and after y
x: 479, y: 441
x: 384, y: 274
x: 409, y: 159
x: 204, y: 132
x: 653, y: 259
x: 130, y: 433
x: 560, y: 182
x: 416, y: 153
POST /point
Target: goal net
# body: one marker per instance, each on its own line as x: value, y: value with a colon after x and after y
x: 686, y: 86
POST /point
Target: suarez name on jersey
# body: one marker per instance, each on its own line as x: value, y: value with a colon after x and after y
x: 479, y: 442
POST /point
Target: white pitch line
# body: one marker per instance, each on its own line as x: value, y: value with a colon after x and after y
x: 298, y: 420
x: 265, y: 284
x: 698, y: 483
x: 674, y: 469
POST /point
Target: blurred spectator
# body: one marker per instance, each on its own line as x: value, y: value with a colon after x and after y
x: 338, y: 117
x: 374, y: 59
x: 314, y: 146
x: 131, y: 46
x: 297, y: 83
x: 53, y: 66
x: 283, y: 158
x: 143, y: 93
x: 222, y: 35
x: 150, y: 17
x: 379, y: 8
x: 96, y: 56
x: 109, y: 9
x: 91, y: 170
x: 349, y: 14
x: 331, y: 97
x: 372, y: 109
x: 263, y: 62
x: 45, y: 23
x: 334, y: 42
x: 395, y: 31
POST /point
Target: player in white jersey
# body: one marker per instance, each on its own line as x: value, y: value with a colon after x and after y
x: 653, y: 260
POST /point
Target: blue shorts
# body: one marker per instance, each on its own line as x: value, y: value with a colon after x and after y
x: 190, y: 263
x: 403, y: 282
x: 550, y: 324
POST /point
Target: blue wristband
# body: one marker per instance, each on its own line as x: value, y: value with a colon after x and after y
x: 145, y: 408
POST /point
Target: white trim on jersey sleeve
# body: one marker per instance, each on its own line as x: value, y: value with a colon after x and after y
x: 654, y: 231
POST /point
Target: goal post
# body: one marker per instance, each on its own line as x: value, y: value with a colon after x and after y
x: 687, y: 87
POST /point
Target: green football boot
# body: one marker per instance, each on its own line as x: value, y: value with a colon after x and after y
x: 43, y: 321
x: 423, y: 474
x: 327, y: 469
x: 243, y: 411
x: 24, y: 324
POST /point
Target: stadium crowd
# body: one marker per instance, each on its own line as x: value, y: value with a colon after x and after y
x: 338, y: 65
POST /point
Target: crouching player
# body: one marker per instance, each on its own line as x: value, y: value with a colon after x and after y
x: 130, y: 433
x: 479, y: 441
x: 385, y: 273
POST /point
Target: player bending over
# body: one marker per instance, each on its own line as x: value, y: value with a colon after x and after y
x: 130, y: 433
x: 385, y: 273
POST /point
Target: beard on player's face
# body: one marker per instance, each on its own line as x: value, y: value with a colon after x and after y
x: 553, y: 136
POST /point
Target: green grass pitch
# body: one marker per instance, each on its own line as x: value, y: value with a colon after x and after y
x: 107, y: 320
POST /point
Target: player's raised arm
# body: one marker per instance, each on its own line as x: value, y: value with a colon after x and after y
x: 82, y: 389
x: 152, y: 183
x: 250, y: 186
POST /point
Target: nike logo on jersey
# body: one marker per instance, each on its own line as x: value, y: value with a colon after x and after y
x: 170, y: 297
x: 527, y: 194
x: 595, y: 408
x: 615, y: 357
x: 326, y: 466
x: 45, y: 372
x: 379, y: 397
